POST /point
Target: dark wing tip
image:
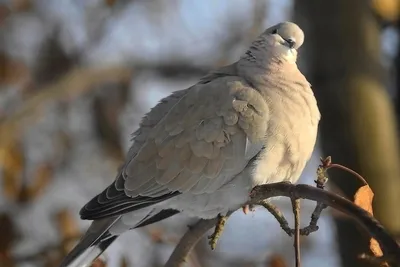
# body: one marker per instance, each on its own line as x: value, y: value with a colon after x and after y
x: 103, y: 206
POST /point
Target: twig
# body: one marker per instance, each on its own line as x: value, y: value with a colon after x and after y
x: 390, y: 248
x: 296, y: 242
x: 313, y: 227
x: 327, y: 164
x: 363, y: 217
x: 338, y: 166
x: 320, y: 182
x: 189, y: 240
x: 219, y: 228
x: 278, y: 216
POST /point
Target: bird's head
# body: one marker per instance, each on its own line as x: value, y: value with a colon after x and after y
x: 280, y: 41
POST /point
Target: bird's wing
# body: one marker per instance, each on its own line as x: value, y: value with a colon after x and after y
x: 198, y: 140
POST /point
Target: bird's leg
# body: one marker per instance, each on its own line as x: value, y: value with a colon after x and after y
x: 219, y: 227
x: 278, y: 216
x: 247, y: 208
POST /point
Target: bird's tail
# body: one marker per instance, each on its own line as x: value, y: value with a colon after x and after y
x: 92, y: 244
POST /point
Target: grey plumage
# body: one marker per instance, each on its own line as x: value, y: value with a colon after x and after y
x: 201, y: 150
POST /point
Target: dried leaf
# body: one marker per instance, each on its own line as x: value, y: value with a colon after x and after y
x: 21, y: 5
x: 363, y: 198
x: 68, y: 229
x: 7, y: 233
x: 124, y: 262
x: 4, y: 13
x: 276, y: 261
x: 387, y: 9
x: 375, y: 248
x: 12, y: 162
x: 6, y: 261
x: 99, y: 263
x: 110, y: 2
x: 13, y: 71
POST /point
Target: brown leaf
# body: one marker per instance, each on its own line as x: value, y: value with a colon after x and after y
x: 12, y: 162
x: 13, y: 71
x: 7, y: 233
x: 124, y: 262
x: 375, y: 248
x: 99, y: 263
x: 21, y: 5
x: 276, y: 261
x: 68, y: 229
x: 6, y: 261
x: 387, y: 9
x: 4, y: 13
x: 363, y: 198
x: 110, y: 2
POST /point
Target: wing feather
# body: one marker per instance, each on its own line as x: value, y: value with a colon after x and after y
x: 196, y: 145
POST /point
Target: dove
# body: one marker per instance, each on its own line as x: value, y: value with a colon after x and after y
x: 201, y: 150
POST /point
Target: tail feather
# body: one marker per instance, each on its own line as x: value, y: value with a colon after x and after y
x: 92, y: 244
x: 98, y: 238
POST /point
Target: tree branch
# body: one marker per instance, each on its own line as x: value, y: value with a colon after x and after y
x: 389, y: 246
x: 296, y: 242
x: 188, y: 241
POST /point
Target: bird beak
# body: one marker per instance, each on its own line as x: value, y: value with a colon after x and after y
x: 291, y: 43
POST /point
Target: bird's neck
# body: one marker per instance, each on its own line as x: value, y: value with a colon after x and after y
x: 260, y: 73
x: 280, y: 80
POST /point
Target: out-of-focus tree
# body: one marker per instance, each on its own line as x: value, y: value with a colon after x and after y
x: 358, y: 125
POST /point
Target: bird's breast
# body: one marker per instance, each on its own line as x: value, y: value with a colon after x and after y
x: 289, y: 143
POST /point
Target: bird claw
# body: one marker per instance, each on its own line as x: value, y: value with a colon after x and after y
x: 212, y: 240
x: 219, y: 228
x: 247, y: 208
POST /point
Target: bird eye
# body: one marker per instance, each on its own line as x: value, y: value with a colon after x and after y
x: 275, y: 31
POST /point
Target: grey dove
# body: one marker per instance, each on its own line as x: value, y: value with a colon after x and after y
x: 201, y: 150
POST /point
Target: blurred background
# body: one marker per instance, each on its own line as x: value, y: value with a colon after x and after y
x: 76, y: 76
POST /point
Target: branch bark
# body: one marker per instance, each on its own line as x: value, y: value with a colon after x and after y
x: 388, y: 244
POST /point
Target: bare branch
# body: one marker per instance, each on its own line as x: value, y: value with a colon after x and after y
x: 278, y: 216
x: 390, y: 248
x: 320, y: 182
x: 313, y: 227
x: 296, y: 242
x: 75, y: 83
x: 188, y: 241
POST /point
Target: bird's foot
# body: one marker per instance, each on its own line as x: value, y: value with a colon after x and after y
x: 247, y: 208
x: 219, y: 228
